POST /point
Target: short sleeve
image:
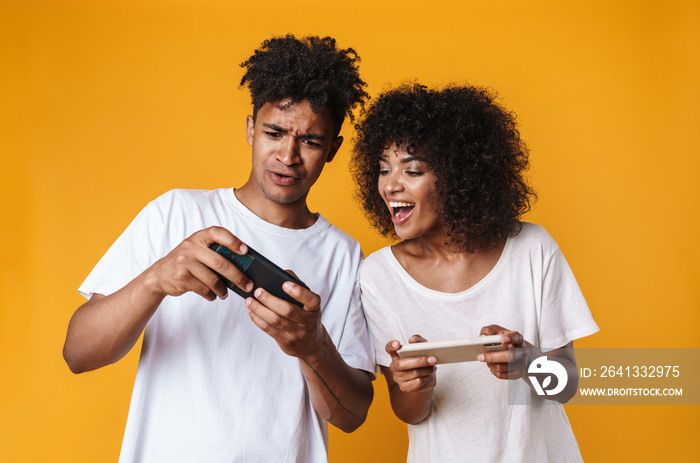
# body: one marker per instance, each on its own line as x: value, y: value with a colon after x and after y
x: 565, y: 313
x: 380, y: 328
x: 352, y: 336
x: 132, y: 253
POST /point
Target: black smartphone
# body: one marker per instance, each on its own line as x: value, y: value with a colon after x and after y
x: 261, y: 271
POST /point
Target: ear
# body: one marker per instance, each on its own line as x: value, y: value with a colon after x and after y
x: 335, y: 146
x: 249, y: 129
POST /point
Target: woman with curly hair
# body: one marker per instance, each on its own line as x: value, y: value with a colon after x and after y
x: 443, y: 171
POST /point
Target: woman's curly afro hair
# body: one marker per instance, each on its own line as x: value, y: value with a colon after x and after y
x: 312, y: 69
x: 472, y: 146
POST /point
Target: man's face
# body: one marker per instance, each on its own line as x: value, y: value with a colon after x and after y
x: 291, y: 145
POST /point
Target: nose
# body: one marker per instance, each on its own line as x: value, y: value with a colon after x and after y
x: 391, y: 182
x: 288, y: 152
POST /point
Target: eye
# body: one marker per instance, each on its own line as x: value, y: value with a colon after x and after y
x: 414, y: 173
x: 312, y: 144
x: 273, y: 134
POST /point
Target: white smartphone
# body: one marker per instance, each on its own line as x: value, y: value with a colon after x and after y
x: 459, y: 350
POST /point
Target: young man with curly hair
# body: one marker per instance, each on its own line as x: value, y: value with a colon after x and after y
x: 443, y: 170
x: 222, y: 378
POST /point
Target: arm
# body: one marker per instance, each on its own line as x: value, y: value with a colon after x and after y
x: 339, y: 393
x: 104, y: 329
x: 411, y: 382
x: 511, y: 364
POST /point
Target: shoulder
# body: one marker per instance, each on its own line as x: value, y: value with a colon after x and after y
x: 184, y: 196
x: 376, y: 266
x: 338, y: 239
x: 532, y: 237
x: 184, y: 201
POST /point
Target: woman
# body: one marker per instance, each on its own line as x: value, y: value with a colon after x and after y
x: 443, y: 170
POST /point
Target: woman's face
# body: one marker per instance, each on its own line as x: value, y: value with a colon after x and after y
x: 408, y: 189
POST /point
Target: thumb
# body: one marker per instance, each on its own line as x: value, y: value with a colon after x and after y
x: 392, y: 347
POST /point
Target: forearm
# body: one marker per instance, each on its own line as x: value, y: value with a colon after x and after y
x: 104, y: 329
x: 409, y: 407
x: 339, y: 393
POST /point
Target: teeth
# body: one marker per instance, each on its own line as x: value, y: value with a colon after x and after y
x: 393, y: 204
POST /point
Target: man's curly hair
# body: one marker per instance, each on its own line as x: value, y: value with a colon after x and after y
x: 472, y: 146
x: 311, y: 68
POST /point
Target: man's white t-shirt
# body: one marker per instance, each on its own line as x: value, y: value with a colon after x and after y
x: 211, y: 386
x: 530, y: 290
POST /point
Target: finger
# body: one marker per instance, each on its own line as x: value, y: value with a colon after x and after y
x: 310, y: 300
x: 515, y: 358
x: 418, y: 384
x: 491, y: 330
x: 284, y: 309
x: 210, y: 281
x: 501, y: 356
x: 216, y: 261
x: 264, y: 312
x: 512, y: 338
x: 410, y: 375
x: 498, y: 367
x: 291, y: 272
x: 256, y: 318
x: 391, y: 348
x: 226, y: 269
x: 223, y: 237
x: 413, y: 363
x: 417, y: 338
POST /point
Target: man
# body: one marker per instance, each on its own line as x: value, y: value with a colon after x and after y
x: 222, y: 378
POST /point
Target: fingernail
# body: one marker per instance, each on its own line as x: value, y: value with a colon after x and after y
x: 480, y: 357
x: 287, y: 286
x: 247, y: 302
x: 258, y: 292
x: 225, y: 295
x: 242, y: 249
x: 249, y: 287
x: 432, y: 360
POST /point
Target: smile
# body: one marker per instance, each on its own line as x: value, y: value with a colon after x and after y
x: 400, y: 211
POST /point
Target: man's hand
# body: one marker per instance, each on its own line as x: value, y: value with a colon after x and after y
x: 193, y: 266
x: 105, y: 328
x: 340, y: 394
x: 298, y: 331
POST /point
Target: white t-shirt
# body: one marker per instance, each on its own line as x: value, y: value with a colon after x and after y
x: 531, y: 290
x: 211, y: 386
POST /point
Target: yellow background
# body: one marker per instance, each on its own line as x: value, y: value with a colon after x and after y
x: 105, y: 105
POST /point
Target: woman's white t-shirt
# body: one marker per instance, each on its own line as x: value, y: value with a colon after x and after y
x: 530, y: 290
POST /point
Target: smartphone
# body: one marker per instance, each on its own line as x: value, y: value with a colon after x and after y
x: 459, y: 350
x: 261, y: 271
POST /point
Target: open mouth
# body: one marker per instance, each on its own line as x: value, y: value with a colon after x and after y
x: 282, y: 179
x: 400, y: 210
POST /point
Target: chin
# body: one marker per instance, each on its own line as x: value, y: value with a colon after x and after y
x: 405, y: 234
x: 282, y: 197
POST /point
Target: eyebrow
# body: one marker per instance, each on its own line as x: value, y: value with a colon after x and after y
x: 405, y: 160
x: 305, y: 136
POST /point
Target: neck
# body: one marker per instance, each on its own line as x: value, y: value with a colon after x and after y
x: 295, y: 215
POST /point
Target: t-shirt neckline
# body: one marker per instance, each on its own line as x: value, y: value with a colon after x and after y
x: 439, y: 295
x: 252, y: 218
